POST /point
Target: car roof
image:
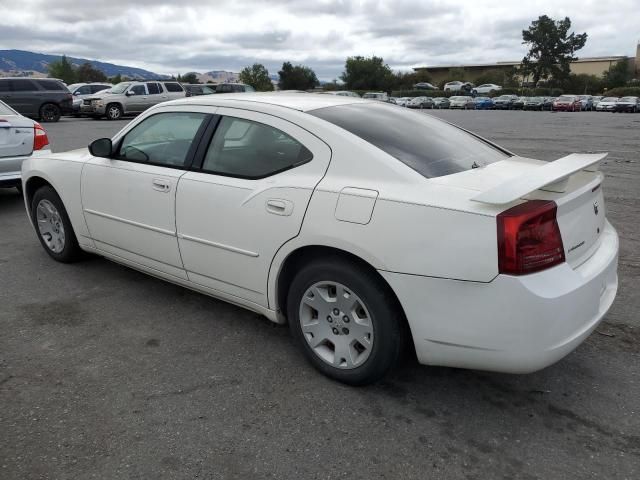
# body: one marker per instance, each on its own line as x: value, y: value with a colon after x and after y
x: 296, y: 101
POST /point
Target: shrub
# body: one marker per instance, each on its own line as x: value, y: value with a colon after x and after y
x: 623, y: 92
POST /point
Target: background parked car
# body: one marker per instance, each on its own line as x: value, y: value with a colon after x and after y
x: 486, y: 88
x: 441, y: 102
x: 20, y: 138
x: 420, y: 102
x: 45, y: 99
x: 607, y: 104
x: 504, y: 102
x: 586, y: 102
x: 595, y: 100
x: 345, y: 93
x: 234, y: 88
x: 548, y: 103
x: 457, y: 86
x: 483, y: 103
x: 403, y: 101
x: 461, y: 102
x: 194, y: 90
x: 424, y: 86
x: 567, y: 103
x: 80, y: 91
x: 533, y: 103
x: 130, y: 98
x: 628, y: 104
x: 381, y: 96
x: 518, y: 103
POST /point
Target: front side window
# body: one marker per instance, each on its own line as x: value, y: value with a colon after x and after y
x: 162, y: 139
x: 248, y: 149
x: 430, y: 146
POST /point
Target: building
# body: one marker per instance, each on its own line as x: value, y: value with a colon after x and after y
x: 589, y: 65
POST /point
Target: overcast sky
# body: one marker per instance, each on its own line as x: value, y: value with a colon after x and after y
x: 177, y: 36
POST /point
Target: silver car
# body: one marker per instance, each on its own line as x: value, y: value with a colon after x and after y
x: 20, y: 138
x: 130, y: 98
x: 80, y: 91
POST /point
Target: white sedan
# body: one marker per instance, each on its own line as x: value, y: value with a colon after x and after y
x: 487, y: 88
x: 20, y: 138
x: 368, y: 228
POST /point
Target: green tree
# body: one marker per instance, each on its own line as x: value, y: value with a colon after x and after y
x: 618, y: 74
x: 63, y: 70
x: 505, y: 77
x: 551, y: 48
x: 190, y: 77
x: 115, y: 79
x: 87, y: 73
x: 296, y: 77
x: 257, y: 76
x: 367, y: 73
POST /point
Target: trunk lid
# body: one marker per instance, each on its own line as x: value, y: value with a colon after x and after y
x: 16, y: 136
x: 572, y: 182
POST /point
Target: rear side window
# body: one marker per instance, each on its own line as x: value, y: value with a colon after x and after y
x: 4, y: 85
x: 139, y: 89
x: 51, y: 85
x: 246, y: 149
x: 23, y: 86
x: 154, y: 88
x: 428, y: 145
x: 99, y: 88
x: 173, y: 87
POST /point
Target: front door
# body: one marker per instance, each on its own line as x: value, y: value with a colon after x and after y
x: 247, y: 199
x: 129, y: 200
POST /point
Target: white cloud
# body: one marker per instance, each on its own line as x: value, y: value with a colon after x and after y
x: 171, y: 37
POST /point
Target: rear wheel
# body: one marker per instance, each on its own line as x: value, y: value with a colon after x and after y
x: 114, y: 111
x: 345, y: 320
x: 53, y: 226
x: 50, y: 112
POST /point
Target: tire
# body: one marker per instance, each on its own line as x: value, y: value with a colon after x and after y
x: 113, y: 111
x: 380, y: 320
x: 50, y: 112
x: 49, y: 215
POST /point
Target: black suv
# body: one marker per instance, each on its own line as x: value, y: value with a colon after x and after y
x: 45, y: 99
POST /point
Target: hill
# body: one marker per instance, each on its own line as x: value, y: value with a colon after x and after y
x: 21, y: 62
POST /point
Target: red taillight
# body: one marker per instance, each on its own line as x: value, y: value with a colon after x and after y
x: 529, y: 238
x: 40, y: 139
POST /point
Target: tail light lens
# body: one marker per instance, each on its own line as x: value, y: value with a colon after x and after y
x: 40, y: 139
x: 529, y: 238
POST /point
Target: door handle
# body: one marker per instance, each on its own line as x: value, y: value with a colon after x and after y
x: 160, y: 185
x: 278, y: 206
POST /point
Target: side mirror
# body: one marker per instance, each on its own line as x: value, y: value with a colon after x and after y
x: 101, y: 148
x: 130, y: 93
x: 76, y: 92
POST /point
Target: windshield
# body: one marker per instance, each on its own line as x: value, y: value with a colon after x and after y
x: 610, y: 99
x: 535, y: 99
x: 566, y: 98
x: 428, y: 145
x: 120, y: 88
x: 628, y: 99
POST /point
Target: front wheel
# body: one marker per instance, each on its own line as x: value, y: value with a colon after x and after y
x: 114, y: 111
x: 345, y: 320
x: 53, y: 226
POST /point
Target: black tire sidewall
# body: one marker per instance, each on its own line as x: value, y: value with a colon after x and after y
x: 71, y: 250
x: 56, y: 109
x: 385, y: 315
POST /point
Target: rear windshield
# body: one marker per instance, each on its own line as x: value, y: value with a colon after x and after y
x: 4, y: 110
x: 428, y: 145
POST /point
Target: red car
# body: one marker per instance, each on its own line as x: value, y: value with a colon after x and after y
x: 567, y: 103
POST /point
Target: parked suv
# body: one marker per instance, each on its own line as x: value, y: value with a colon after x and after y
x: 234, y: 88
x: 194, y: 90
x: 45, y: 99
x: 130, y: 98
x: 80, y: 91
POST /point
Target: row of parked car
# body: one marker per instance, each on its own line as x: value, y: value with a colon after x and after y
x: 568, y: 103
x: 48, y: 99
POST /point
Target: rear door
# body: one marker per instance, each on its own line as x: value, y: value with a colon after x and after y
x: 247, y: 198
x: 26, y: 96
x: 156, y: 94
x: 139, y: 101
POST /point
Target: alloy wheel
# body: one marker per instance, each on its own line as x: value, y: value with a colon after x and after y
x: 336, y: 324
x: 50, y: 226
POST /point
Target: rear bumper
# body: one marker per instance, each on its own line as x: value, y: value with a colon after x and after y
x: 512, y: 324
x: 13, y: 178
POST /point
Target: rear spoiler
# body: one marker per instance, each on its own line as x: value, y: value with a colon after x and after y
x: 552, y: 176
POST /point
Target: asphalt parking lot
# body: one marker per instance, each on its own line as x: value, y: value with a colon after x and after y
x: 108, y: 373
